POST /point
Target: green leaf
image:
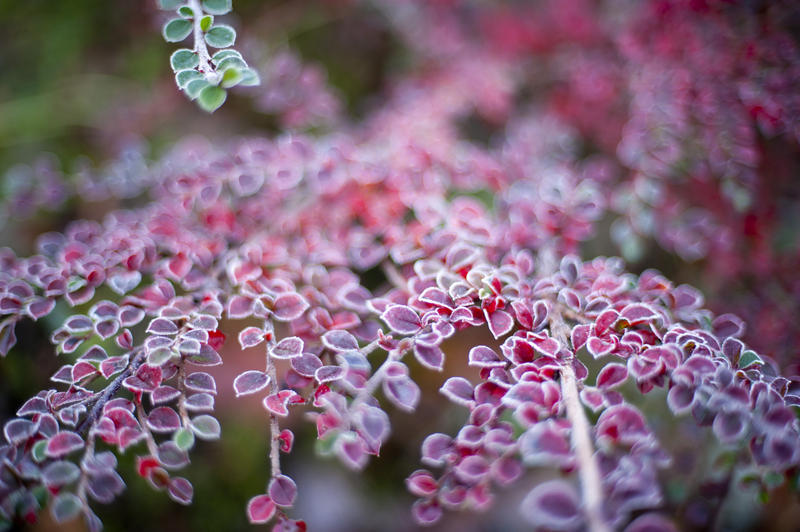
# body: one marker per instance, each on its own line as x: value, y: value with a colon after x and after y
x: 206, y: 22
x: 186, y: 12
x: 75, y: 283
x: 206, y: 427
x: 170, y: 4
x: 159, y: 356
x: 65, y: 507
x: 224, y: 54
x: 231, y: 77
x: 183, y: 77
x: 177, y: 30
x: 250, y: 78
x: 183, y: 59
x: 749, y: 358
x: 217, y: 7
x: 184, y: 439
x: 221, y: 36
x: 211, y: 98
x: 194, y: 87
x: 231, y: 62
x: 37, y: 451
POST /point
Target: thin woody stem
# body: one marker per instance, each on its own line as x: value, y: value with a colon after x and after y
x: 581, y: 432
x: 274, y: 428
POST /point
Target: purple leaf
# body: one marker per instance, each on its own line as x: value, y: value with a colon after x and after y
x: 426, y: 512
x: 282, y: 490
x: 545, y: 444
x: 163, y: 420
x: 162, y: 326
x: 289, y: 347
x: 250, y: 382
x: 459, y: 390
x: 306, y: 364
x: 373, y: 424
x: 435, y: 449
x: 251, y: 337
x: 728, y: 325
x: 60, y: 473
x: 403, y: 392
x: 201, y: 382
x: 485, y: 357
x: 34, y: 405
x: 350, y: 450
x: 328, y: 374
x: 289, y: 306
x: 429, y: 356
x: 199, y: 402
x: 170, y: 456
x: 7, y: 336
x: 402, y: 319
x: 206, y: 357
x: 164, y: 394
x: 730, y: 427
x: 339, y: 340
x: 680, y: 399
x: 17, y: 431
x: 651, y: 522
x: 105, y: 487
x: 472, y: 469
x: 40, y: 307
x: 180, y: 490
x: 260, y: 509
x: 553, y: 505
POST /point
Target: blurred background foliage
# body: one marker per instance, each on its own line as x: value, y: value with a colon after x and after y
x: 86, y: 80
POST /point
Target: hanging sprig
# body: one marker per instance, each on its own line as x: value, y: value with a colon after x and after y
x: 202, y: 76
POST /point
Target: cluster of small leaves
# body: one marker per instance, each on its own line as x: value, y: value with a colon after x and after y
x: 278, y: 232
x: 204, y: 77
x: 688, y: 109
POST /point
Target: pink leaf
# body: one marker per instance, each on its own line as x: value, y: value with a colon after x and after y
x: 251, y: 337
x: 289, y: 306
x: 63, y: 443
x: 260, y: 509
x: 500, y: 322
x: 611, y: 376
